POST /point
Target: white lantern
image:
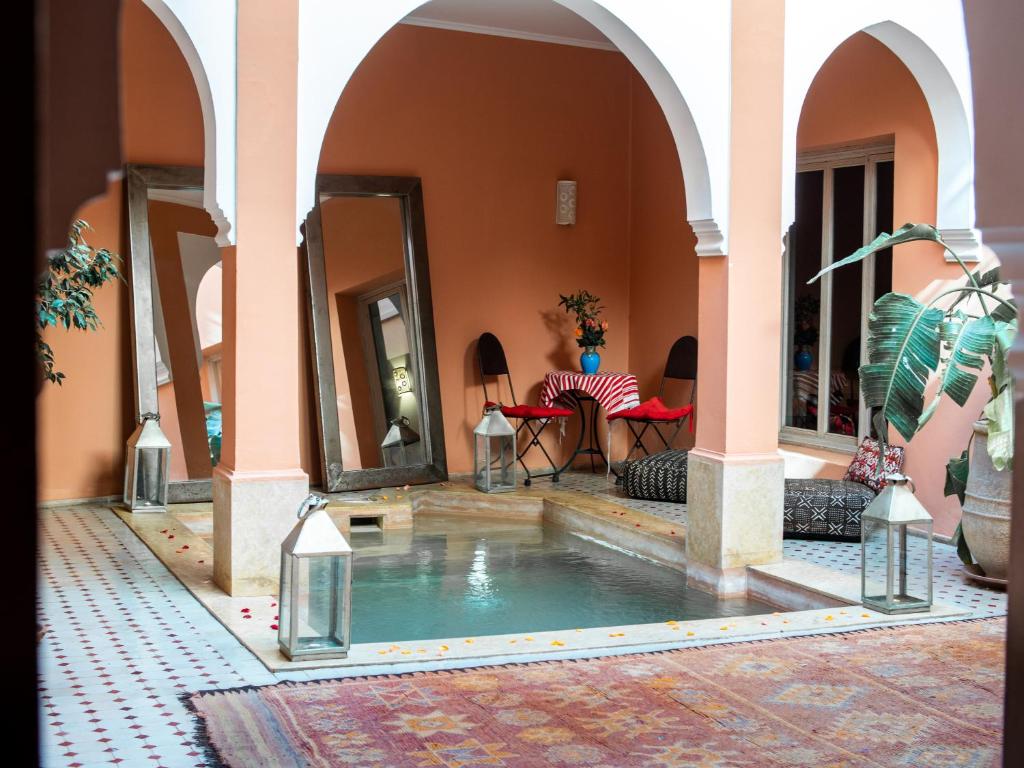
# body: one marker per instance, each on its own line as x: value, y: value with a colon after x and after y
x: 315, y: 603
x: 494, y: 452
x: 395, y: 441
x: 896, y: 550
x: 146, y: 467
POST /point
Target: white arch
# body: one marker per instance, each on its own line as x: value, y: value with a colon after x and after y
x: 930, y: 39
x: 204, y: 31
x: 682, y: 48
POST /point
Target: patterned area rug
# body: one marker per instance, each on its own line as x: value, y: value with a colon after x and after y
x: 927, y: 696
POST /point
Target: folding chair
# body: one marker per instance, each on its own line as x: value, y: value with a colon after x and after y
x: 533, y: 419
x: 653, y: 413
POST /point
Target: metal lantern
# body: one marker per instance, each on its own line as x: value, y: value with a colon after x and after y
x: 398, y: 437
x: 146, y: 467
x: 494, y: 452
x: 315, y: 604
x: 896, y: 550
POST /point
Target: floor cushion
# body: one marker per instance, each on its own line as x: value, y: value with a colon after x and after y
x: 824, y: 509
x: 658, y: 477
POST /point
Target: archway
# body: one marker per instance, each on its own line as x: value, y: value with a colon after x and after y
x: 932, y: 46
x: 690, y: 82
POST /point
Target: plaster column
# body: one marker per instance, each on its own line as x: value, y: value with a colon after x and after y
x: 259, y: 484
x: 735, y: 476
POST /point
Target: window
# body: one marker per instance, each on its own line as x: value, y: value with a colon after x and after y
x: 843, y: 200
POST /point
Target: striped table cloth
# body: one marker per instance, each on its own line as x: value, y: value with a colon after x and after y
x: 613, y: 391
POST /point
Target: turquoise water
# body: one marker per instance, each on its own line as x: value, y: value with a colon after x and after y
x: 459, y: 577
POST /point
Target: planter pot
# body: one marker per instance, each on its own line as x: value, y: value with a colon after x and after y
x: 986, y: 518
x: 590, y: 361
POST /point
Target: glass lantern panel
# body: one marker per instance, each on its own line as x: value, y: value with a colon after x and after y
x: 284, y: 602
x: 318, y: 582
x: 502, y: 462
x: 394, y: 456
x: 911, y: 577
x: 481, y: 461
x: 875, y: 569
x: 150, y: 474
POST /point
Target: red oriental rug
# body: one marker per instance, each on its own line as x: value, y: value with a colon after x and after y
x: 927, y: 696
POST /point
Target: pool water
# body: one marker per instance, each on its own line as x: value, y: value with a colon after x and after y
x: 464, y: 577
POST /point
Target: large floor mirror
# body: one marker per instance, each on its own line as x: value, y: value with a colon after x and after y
x: 175, y: 275
x: 372, y: 331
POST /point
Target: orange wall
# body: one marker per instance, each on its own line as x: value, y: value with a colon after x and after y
x: 490, y: 126
x: 663, y: 262
x: 865, y: 91
x: 83, y: 425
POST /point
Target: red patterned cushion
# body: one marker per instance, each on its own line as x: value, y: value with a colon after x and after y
x: 531, y: 411
x: 863, y: 468
x: 652, y: 410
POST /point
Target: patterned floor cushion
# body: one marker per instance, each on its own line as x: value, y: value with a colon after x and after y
x: 658, y: 477
x: 824, y: 509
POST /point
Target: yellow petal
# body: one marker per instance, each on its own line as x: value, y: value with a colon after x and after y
x: 469, y: 640
x: 557, y: 642
x: 444, y: 647
x: 690, y: 634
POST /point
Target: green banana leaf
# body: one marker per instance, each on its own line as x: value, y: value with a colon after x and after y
x: 956, y: 476
x: 999, y: 415
x: 903, y: 350
x: 905, y: 234
x: 960, y: 542
x: 969, y: 342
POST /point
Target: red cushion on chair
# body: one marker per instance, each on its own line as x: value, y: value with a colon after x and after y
x: 530, y: 411
x: 534, y: 412
x: 652, y: 410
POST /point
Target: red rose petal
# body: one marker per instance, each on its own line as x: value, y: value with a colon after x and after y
x: 184, y: 546
x: 245, y: 610
x: 273, y: 626
x: 164, y: 531
x: 276, y: 618
x: 247, y: 616
x: 200, y: 561
x: 171, y: 536
x: 272, y: 605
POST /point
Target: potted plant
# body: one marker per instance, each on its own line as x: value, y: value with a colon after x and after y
x: 951, y: 336
x: 64, y: 292
x: 590, y: 329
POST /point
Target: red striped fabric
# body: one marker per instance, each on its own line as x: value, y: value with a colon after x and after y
x: 614, y: 391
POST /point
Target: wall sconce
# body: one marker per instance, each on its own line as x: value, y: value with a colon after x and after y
x: 565, y: 202
x: 403, y: 383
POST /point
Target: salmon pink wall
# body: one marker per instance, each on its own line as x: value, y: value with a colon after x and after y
x: 663, y: 261
x: 489, y: 126
x: 864, y: 91
x: 83, y: 425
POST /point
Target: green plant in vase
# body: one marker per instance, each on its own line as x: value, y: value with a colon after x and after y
x: 951, y: 337
x: 64, y: 292
x: 590, y: 328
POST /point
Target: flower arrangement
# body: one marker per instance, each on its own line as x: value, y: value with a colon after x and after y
x: 590, y: 329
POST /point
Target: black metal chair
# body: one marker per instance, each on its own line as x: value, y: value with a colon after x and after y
x: 533, y: 419
x: 681, y: 365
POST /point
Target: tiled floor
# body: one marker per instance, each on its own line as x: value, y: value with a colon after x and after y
x: 126, y: 638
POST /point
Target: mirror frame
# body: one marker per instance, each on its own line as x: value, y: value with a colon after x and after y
x: 409, y: 192
x: 139, y: 180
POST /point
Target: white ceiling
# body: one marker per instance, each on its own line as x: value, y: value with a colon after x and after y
x: 543, y: 20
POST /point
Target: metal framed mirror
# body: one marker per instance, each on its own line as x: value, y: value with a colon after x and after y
x: 372, y: 334
x: 175, y: 288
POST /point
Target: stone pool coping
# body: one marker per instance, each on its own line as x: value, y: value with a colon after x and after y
x: 805, y: 587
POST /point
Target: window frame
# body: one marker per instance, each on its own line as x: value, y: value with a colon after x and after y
x: 827, y: 161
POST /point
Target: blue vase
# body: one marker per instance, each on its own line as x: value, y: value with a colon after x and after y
x: 590, y: 361
x: 803, y: 360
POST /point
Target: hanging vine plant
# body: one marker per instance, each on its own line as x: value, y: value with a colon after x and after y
x: 64, y: 293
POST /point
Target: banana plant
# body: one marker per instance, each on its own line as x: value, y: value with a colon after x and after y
x: 950, y: 337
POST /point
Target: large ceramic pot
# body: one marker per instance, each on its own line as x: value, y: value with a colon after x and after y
x: 986, y: 519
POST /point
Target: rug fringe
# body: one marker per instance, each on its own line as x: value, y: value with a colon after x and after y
x: 201, y: 733
x: 187, y: 697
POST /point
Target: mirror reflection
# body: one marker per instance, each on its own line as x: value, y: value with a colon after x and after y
x: 186, y: 282
x: 373, y: 344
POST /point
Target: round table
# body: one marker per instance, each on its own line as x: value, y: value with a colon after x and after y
x: 613, y: 391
